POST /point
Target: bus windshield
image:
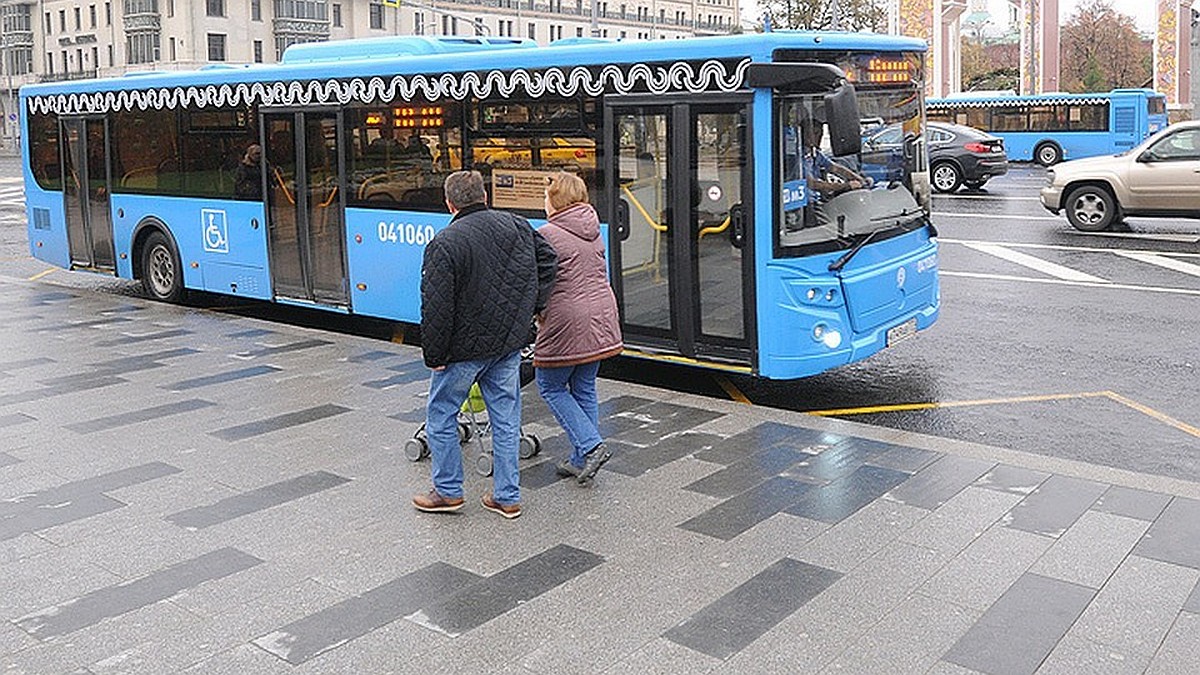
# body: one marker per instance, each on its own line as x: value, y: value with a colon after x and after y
x: 835, y: 199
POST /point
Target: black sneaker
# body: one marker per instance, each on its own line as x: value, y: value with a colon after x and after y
x: 566, y: 469
x: 595, y: 459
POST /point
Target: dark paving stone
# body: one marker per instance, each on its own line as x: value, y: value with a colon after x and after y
x: 114, y: 601
x: 138, y: 416
x: 338, y: 624
x: 746, y: 613
x: 251, y: 333
x: 123, y: 309
x: 266, y: 426
x: 147, y: 337
x: 256, y: 500
x: 132, y: 364
x: 51, y: 297
x: 14, y: 419
x: 415, y: 375
x: 7, y: 459
x: 738, y: 514
x: 904, y: 458
x: 112, y: 480
x: 763, y: 436
x: 659, y: 420
x: 631, y: 460
x: 282, y: 349
x: 1012, y: 479
x: 1016, y: 633
x: 9, y: 366
x: 937, y: 483
x: 832, y: 462
x: 416, y: 416
x: 752, y: 470
x: 76, y: 384
x: 409, y: 366
x: 221, y: 378
x: 371, y: 356
x: 541, y: 474
x: 481, y: 602
x: 1131, y: 503
x: 838, y: 500
x: 1055, y: 505
x: 88, y: 323
x: 1175, y: 536
x: 42, y: 516
x: 1193, y: 602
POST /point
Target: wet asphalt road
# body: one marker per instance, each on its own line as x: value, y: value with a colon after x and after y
x: 1049, y: 341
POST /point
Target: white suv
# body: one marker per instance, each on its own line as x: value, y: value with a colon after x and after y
x: 1160, y: 177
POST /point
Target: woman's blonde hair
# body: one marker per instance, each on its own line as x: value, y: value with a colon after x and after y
x: 566, y: 189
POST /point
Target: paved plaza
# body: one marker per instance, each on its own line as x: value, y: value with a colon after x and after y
x: 188, y: 491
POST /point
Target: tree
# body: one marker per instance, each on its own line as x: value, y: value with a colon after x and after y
x: 852, y: 15
x: 1101, y: 50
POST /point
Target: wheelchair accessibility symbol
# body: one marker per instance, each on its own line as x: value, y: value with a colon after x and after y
x: 216, y: 233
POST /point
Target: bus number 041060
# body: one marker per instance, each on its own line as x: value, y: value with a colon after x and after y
x: 405, y: 233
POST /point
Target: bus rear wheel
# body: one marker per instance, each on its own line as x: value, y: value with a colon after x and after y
x: 162, y: 273
x: 1091, y: 209
x: 1047, y: 154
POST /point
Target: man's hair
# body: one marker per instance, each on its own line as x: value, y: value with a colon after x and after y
x: 565, y: 189
x: 465, y: 188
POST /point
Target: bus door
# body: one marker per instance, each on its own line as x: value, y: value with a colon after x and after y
x: 86, y: 193
x: 680, y: 232
x: 305, y: 217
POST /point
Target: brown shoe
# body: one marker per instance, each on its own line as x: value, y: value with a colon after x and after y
x: 432, y: 502
x: 507, y: 510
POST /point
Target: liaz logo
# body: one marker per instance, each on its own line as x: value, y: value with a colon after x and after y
x: 216, y: 231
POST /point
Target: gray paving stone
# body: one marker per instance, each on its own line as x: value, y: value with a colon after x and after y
x: 662, y: 657
x: 1016, y: 634
x: 1175, y: 535
x: 16, y: 523
x: 953, y: 526
x: 837, y: 500
x: 1133, y: 612
x: 1180, y: 651
x: 6, y: 459
x: 265, y: 497
x: 1055, y: 505
x: 21, y: 364
x: 904, y: 458
x: 151, y: 414
x: 13, y: 419
x: 1012, y: 479
x: 1077, y: 655
x: 1090, y: 551
x: 281, y: 348
x: 221, y: 378
x: 755, y: 468
x: 1193, y: 601
x: 987, y: 568
x: 940, y: 481
x: 632, y: 460
x: 762, y: 436
x: 910, y: 639
x: 744, y: 614
x: 742, y: 512
x: 1132, y: 503
x: 241, y: 432
x: 856, y: 539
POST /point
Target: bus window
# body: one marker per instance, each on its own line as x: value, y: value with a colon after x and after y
x: 1088, y: 117
x: 145, y: 146
x: 44, y: 158
x: 978, y: 118
x: 212, y: 144
x: 1047, y: 117
x: 1010, y: 119
x: 399, y: 155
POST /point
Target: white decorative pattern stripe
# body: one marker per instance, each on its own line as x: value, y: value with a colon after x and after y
x: 680, y: 76
x: 1007, y: 103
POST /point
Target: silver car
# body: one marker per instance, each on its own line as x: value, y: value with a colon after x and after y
x: 1160, y: 177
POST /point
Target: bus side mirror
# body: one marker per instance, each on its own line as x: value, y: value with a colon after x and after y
x: 841, y: 113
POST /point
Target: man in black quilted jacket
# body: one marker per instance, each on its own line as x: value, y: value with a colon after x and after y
x: 482, y: 280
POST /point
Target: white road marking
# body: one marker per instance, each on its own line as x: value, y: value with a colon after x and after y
x: 1034, y: 263
x: 1064, y: 282
x: 1057, y: 247
x: 1181, y: 238
x: 992, y: 197
x: 978, y: 216
x: 1163, y: 261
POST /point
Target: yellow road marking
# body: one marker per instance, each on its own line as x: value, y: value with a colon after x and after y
x: 41, y: 274
x: 1150, y: 412
x: 734, y: 392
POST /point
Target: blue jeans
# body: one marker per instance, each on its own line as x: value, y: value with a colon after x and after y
x: 500, y: 382
x: 570, y: 392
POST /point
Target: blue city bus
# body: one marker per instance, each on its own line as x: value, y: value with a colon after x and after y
x: 1050, y: 128
x: 719, y: 254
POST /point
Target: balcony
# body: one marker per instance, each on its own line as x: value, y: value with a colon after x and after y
x: 305, y: 30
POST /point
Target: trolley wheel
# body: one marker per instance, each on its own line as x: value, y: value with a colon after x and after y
x: 464, y: 432
x: 529, y: 446
x: 415, y: 449
x: 483, y: 464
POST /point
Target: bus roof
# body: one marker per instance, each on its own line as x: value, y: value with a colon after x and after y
x: 400, y: 55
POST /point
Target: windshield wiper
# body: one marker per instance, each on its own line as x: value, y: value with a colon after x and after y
x: 837, y: 265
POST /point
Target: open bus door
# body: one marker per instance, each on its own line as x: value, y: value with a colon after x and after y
x: 681, y: 252
x: 306, y: 222
x: 86, y: 190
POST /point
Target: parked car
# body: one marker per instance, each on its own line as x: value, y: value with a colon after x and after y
x: 958, y: 155
x: 1160, y: 177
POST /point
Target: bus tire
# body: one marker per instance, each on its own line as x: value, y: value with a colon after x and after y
x: 1047, y: 153
x: 1091, y: 208
x: 162, y: 273
x: 945, y: 177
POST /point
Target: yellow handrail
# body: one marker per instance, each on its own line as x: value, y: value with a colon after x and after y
x: 286, y: 193
x: 641, y: 209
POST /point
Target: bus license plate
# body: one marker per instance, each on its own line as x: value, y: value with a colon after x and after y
x: 901, y: 332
